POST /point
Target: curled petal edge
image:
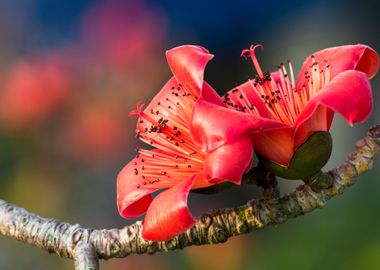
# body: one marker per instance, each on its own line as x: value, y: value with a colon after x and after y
x: 168, y: 214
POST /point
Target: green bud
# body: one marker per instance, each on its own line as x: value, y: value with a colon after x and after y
x: 307, y: 161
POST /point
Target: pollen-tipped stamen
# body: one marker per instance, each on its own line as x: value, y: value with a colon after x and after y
x: 284, y: 102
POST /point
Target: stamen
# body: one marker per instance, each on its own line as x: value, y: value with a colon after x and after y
x: 291, y: 73
x: 138, y: 110
x: 278, y: 92
x: 251, y: 53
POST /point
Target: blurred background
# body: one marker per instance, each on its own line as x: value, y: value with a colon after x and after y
x: 70, y: 71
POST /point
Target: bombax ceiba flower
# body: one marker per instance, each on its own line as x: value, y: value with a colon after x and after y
x: 332, y: 80
x: 199, y: 143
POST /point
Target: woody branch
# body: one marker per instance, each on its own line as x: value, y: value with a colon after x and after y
x: 87, y: 246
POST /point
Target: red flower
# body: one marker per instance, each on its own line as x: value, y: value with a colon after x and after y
x: 332, y: 80
x: 197, y: 145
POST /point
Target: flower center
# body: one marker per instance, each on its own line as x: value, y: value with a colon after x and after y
x: 278, y: 91
x: 165, y: 125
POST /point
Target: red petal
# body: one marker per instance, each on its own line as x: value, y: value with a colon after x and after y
x: 209, y: 94
x: 187, y: 64
x: 276, y: 145
x: 279, y: 145
x: 168, y: 214
x: 348, y: 94
x: 213, y: 126
x: 357, y: 57
x: 132, y: 201
x: 320, y: 120
x: 229, y: 162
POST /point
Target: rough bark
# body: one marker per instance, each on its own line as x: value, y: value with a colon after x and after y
x: 86, y: 246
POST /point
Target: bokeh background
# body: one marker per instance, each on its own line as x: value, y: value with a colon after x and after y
x: 70, y: 71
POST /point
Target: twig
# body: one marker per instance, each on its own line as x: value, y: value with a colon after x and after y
x: 86, y: 246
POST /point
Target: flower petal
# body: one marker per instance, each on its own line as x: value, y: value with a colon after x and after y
x: 210, y: 95
x: 348, y: 94
x: 133, y: 199
x: 350, y: 57
x: 213, y: 126
x: 276, y: 145
x: 279, y: 145
x: 229, y: 162
x: 320, y: 120
x: 187, y: 64
x: 168, y: 214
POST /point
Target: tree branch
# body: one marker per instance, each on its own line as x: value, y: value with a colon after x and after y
x: 86, y: 246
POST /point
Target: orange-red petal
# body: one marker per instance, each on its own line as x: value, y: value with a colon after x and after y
x: 187, y: 64
x: 349, y: 57
x: 229, y: 162
x: 133, y: 199
x: 168, y: 214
